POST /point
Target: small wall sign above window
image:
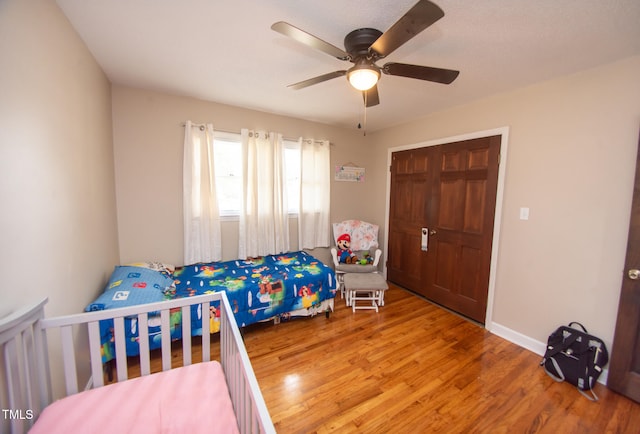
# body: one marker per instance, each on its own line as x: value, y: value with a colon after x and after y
x: 349, y: 172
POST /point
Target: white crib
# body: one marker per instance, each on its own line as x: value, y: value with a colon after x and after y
x: 26, y: 376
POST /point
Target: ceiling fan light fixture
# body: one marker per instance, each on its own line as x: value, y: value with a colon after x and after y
x: 363, y: 76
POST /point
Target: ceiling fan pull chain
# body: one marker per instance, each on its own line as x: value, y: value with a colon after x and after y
x: 364, y: 121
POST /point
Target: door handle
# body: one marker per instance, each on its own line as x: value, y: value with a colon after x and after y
x: 432, y: 232
x: 634, y: 274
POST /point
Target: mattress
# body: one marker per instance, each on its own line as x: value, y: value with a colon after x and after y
x: 190, y: 399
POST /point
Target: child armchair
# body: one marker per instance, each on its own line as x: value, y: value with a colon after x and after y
x: 363, y: 237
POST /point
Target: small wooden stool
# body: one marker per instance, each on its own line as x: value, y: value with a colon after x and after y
x: 365, y: 287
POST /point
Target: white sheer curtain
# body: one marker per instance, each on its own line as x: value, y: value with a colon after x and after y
x: 202, y: 237
x: 315, y: 185
x: 264, y: 220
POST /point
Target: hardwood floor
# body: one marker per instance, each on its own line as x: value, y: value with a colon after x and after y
x: 416, y: 368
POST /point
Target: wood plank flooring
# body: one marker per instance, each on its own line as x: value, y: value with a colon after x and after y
x: 416, y: 368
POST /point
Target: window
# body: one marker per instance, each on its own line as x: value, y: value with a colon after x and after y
x: 292, y: 175
x: 228, y: 167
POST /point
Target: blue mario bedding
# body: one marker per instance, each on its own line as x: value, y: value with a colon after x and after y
x: 259, y: 289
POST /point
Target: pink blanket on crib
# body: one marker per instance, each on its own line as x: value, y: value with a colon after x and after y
x: 191, y: 399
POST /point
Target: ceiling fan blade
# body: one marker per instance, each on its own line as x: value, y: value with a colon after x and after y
x: 316, y: 80
x: 439, y: 75
x: 371, y: 97
x: 309, y: 40
x: 419, y: 17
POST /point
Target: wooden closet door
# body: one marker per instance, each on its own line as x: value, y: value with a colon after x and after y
x: 455, y: 199
x: 464, y: 199
x: 411, y: 179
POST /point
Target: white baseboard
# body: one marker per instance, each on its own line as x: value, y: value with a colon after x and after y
x: 530, y: 344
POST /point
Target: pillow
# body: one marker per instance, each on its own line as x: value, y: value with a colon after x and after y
x: 166, y: 269
x: 130, y: 285
x: 364, y: 236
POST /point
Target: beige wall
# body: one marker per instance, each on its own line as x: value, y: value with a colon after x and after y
x: 148, y: 141
x: 58, y: 227
x: 571, y: 160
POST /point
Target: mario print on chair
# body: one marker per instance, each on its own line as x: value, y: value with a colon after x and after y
x: 345, y: 254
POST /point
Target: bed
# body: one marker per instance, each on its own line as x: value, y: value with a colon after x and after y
x: 259, y: 289
x: 209, y: 396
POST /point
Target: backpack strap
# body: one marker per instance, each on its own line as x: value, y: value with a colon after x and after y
x: 581, y: 326
x: 555, y: 364
x: 552, y: 350
x: 591, y: 396
x: 600, y: 358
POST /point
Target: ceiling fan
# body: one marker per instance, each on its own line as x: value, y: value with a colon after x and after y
x: 364, y: 47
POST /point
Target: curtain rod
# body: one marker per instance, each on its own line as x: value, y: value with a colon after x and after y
x: 201, y: 127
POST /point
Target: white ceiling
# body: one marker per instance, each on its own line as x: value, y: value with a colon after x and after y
x: 225, y: 51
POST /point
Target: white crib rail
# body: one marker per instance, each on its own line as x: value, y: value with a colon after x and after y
x: 251, y: 411
x: 23, y: 339
x: 66, y: 325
